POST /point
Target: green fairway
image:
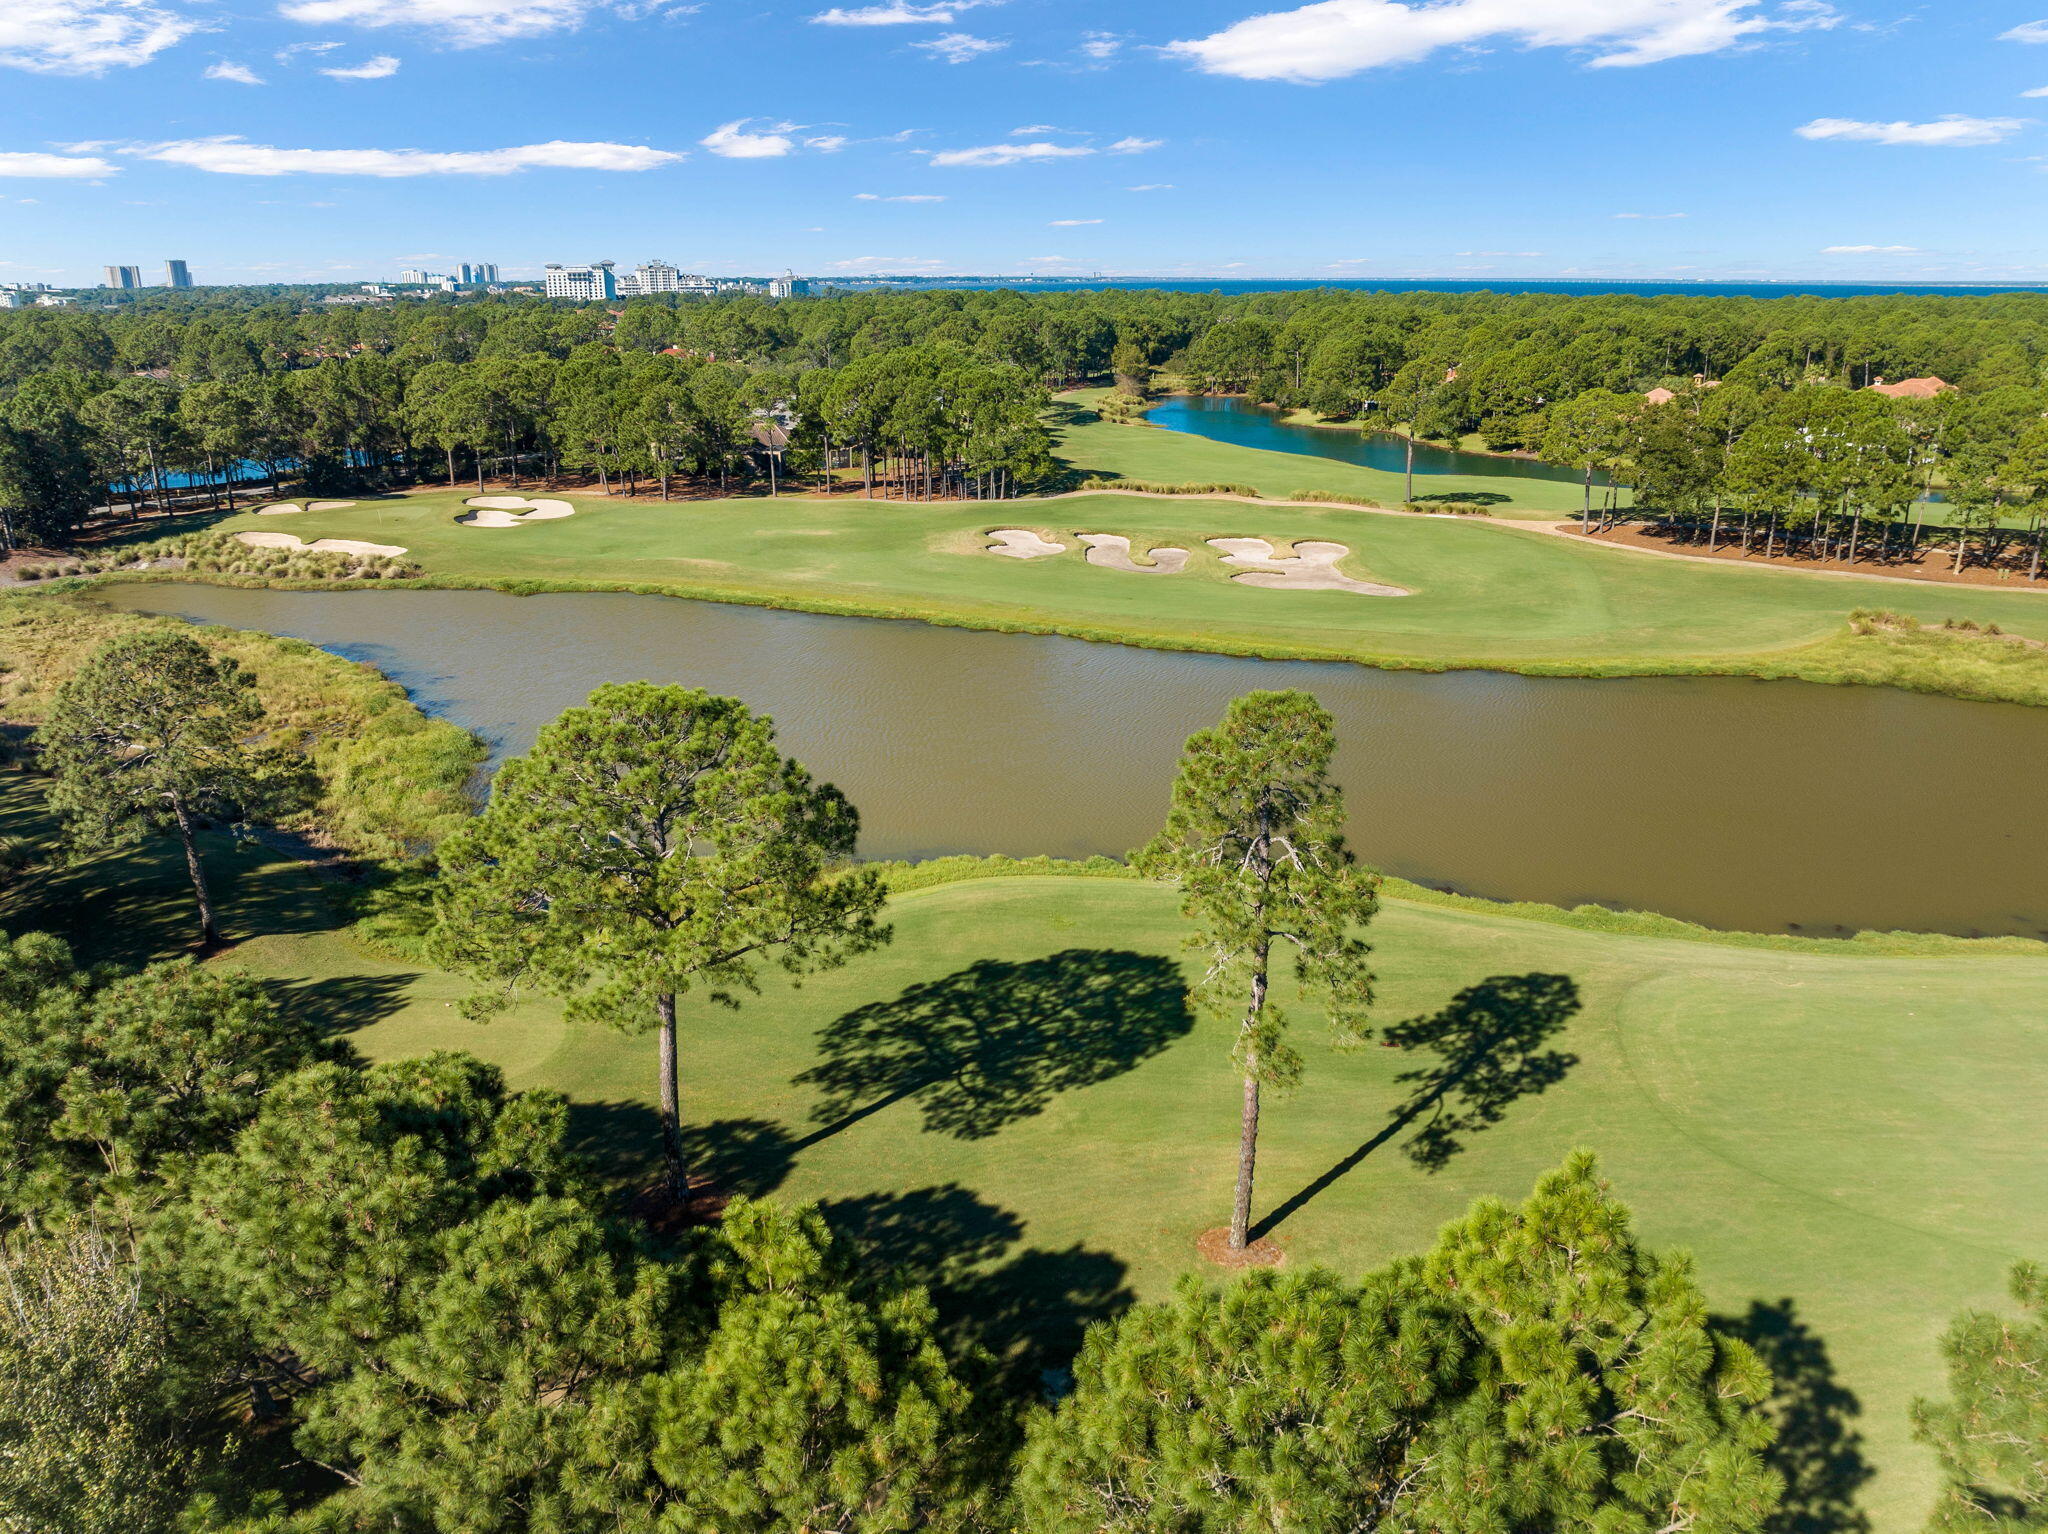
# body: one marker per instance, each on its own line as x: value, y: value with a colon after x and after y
x: 1851, y: 1146
x: 1484, y: 593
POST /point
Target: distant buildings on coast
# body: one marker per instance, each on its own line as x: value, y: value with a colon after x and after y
x: 603, y: 280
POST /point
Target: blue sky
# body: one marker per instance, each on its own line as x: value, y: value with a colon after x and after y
x: 344, y: 139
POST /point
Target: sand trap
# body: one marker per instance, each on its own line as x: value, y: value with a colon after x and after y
x: 1113, y: 552
x: 497, y: 511
x: 1022, y: 543
x: 293, y: 542
x: 293, y: 508
x: 1312, y: 567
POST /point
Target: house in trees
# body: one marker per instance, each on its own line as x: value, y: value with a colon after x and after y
x: 1913, y: 388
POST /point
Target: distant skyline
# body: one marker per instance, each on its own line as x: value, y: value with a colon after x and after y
x: 346, y: 140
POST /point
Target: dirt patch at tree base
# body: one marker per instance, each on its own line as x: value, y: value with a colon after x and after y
x: 1214, y: 1245
x: 1932, y: 565
x: 656, y: 1207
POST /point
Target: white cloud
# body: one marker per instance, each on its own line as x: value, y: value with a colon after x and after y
x: 827, y: 143
x: 1870, y: 250
x: 734, y: 142
x: 897, y: 13
x: 241, y: 74
x: 1134, y: 145
x: 1152, y: 186
x: 290, y: 51
x: 1071, y: 223
x: 1040, y: 128
x: 1100, y: 46
x: 465, y: 23
x: 1650, y: 216
x: 382, y: 67
x: 234, y: 157
x: 2026, y: 32
x: 1335, y: 38
x: 88, y: 37
x: 1500, y: 252
x: 1009, y: 154
x: 2037, y: 92
x: 1954, y: 131
x: 56, y: 167
x: 959, y: 47
x: 908, y: 197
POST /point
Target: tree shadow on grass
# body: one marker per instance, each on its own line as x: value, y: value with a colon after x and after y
x: 1028, y: 1308
x: 621, y: 1142
x: 1819, y: 1451
x: 1489, y: 1041
x: 997, y: 1041
x: 342, y: 1004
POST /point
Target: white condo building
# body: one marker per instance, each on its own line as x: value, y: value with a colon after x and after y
x: 592, y: 280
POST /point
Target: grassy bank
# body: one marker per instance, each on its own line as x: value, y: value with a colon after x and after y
x: 1848, y: 1142
x: 393, y: 781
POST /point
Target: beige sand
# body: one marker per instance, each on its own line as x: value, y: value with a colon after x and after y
x: 1312, y: 567
x: 293, y: 542
x: 293, y: 508
x: 1022, y: 543
x: 1113, y: 552
x: 497, y: 511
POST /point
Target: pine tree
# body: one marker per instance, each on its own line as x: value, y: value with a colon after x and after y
x: 1619, y: 1407
x: 816, y: 1403
x: 1992, y: 1432
x: 1255, y: 841
x: 155, y: 735
x: 653, y: 843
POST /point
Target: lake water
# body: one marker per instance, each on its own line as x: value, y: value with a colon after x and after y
x: 1229, y: 418
x: 1762, y: 805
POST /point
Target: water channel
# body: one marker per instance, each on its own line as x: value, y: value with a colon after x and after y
x: 1758, y: 805
x: 1229, y: 418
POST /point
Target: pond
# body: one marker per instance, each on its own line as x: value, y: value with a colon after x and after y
x: 1746, y: 804
x: 1229, y: 418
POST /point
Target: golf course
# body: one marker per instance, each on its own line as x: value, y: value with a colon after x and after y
x: 1843, y: 1138
x: 1483, y: 592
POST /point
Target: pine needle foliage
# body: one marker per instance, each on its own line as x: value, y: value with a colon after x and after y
x: 651, y: 844
x: 1992, y: 1432
x: 1254, y: 838
x: 1538, y: 1370
x: 154, y: 736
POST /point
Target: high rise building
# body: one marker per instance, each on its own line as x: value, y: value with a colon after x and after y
x: 177, y: 275
x: 486, y: 271
x: 788, y: 285
x: 657, y: 277
x: 591, y: 280
x: 123, y: 277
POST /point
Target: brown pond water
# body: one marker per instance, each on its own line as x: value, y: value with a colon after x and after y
x: 1759, y: 805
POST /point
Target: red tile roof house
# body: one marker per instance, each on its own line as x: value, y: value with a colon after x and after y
x: 1912, y: 388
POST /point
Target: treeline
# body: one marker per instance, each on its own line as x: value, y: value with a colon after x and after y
x: 938, y: 393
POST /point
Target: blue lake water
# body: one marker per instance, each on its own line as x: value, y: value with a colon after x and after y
x: 1228, y: 418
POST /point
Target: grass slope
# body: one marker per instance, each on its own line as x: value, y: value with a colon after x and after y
x: 1850, y: 1145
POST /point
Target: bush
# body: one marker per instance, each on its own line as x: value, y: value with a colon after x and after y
x: 1335, y: 498
x: 1152, y: 487
x: 1448, y: 508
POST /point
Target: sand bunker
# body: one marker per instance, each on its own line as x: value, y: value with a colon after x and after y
x: 497, y: 511
x: 293, y: 508
x: 1312, y: 567
x: 1022, y: 543
x: 1113, y: 552
x: 293, y: 542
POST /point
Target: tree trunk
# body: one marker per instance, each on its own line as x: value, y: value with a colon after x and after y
x: 451, y: 466
x: 1408, y: 493
x: 670, y: 1098
x: 1586, y: 516
x: 1247, y: 1145
x: 209, y: 930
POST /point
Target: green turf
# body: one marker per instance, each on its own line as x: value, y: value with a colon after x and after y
x: 1858, y: 1138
